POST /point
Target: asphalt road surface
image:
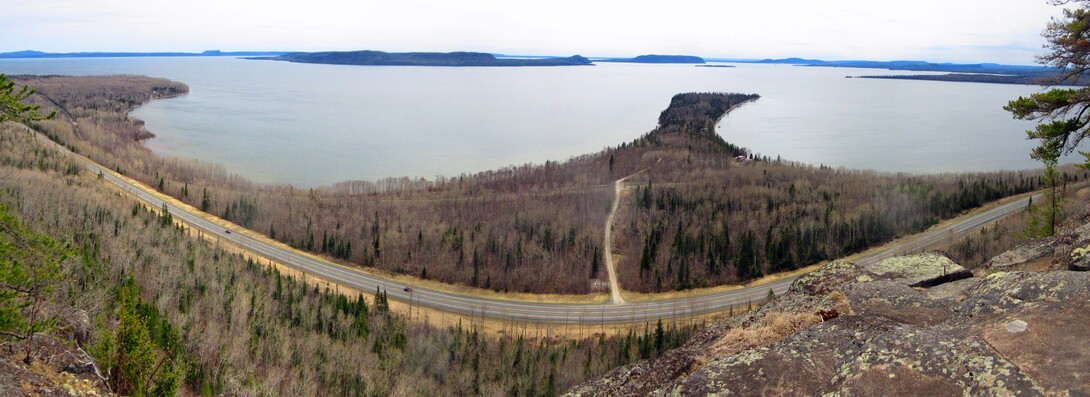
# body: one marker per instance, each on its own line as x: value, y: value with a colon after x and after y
x: 523, y: 311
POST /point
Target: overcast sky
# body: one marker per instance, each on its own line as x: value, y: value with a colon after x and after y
x: 1005, y: 31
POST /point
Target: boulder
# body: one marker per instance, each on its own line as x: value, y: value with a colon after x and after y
x: 831, y: 277
x: 1080, y: 260
x: 1018, y: 257
x: 922, y: 270
x: 77, y: 324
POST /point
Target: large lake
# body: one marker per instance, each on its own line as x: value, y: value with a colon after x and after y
x: 316, y: 124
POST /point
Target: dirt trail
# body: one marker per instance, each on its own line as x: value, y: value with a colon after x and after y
x: 614, y: 286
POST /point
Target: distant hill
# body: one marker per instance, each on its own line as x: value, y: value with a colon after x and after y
x: 422, y: 59
x: 210, y: 53
x: 658, y: 59
x: 920, y: 66
x: 1030, y: 79
x: 993, y: 73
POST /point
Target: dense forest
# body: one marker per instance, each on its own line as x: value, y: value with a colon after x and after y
x: 163, y: 312
x: 698, y: 211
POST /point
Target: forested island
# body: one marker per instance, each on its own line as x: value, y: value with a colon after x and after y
x: 652, y: 58
x: 380, y: 58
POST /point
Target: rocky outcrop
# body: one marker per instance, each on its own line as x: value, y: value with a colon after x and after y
x: 900, y: 327
x: 58, y: 370
x: 1067, y: 250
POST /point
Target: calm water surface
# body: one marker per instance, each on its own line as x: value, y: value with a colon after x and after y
x: 317, y: 124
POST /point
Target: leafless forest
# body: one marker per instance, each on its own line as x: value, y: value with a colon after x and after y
x: 703, y: 212
x: 169, y: 312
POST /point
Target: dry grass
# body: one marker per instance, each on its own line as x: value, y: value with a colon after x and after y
x: 774, y: 327
x: 632, y: 296
x: 498, y: 328
x: 489, y: 326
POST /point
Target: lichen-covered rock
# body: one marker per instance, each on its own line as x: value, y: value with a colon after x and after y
x: 1080, y: 260
x: 1006, y: 334
x: 862, y: 356
x: 895, y: 300
x: 922, y: 270
x: 953, y: 291
x: 811, y: 298
x: 1047, y: 345
x: 829, y: 278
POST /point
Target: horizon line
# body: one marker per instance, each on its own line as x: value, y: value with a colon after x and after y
x: 75, y: 54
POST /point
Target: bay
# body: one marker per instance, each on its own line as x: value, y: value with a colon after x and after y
x: 310, y: 125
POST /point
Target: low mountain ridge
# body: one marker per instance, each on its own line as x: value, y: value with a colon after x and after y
x: 99, y: 54
x: 653, y: 58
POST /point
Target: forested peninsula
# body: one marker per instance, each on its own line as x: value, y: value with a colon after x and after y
x: 379, y: 58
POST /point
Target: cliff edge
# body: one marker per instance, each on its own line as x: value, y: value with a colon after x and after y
x: 914, y: 325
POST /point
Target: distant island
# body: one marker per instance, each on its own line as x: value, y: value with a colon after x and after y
x: 210, y: 53
x: 978, y: 78
x: 714, y: 66
x: 380, y: 58
x: 993, y: 73
x: 919, y: 66
x: 657, y: 59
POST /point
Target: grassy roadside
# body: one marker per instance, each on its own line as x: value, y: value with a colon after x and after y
x: 486, y: 325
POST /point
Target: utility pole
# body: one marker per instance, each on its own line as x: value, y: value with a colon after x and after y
x: 410, y: 291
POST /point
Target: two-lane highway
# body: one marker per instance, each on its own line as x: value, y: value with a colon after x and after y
x: 480, y: 306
